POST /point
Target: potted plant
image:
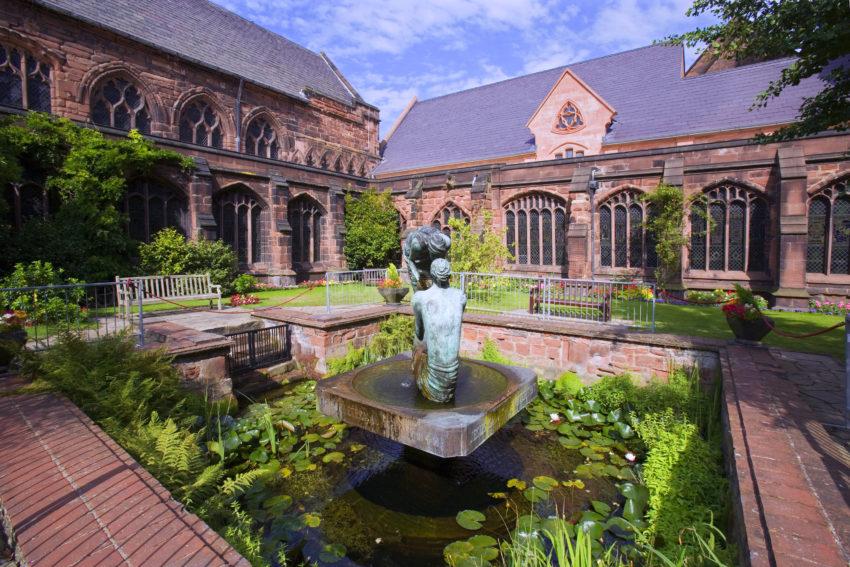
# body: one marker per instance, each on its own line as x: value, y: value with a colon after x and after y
x: 744, y: 315
x: 392, y: 288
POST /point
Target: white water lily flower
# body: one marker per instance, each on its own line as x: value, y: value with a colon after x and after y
x: 554, y: 418
x: 378, y: 540
x: 631, y: 457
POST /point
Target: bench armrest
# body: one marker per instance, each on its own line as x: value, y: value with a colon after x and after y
x: 216, y: 288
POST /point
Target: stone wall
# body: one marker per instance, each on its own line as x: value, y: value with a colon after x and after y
x: 785, y: 175
x: 326, y: 147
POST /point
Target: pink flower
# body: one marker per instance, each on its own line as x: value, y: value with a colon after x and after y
x: 554, y: 418
x: 631, y: 457
x: 841, y: 305
x: 817, y: 304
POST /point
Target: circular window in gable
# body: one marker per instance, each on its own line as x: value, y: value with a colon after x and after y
x: 569, y: 119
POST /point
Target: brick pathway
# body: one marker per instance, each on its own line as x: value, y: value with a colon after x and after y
x: 76, y: 498
x: 792, y: 476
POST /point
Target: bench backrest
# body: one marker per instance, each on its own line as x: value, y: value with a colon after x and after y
x: 163, y: 286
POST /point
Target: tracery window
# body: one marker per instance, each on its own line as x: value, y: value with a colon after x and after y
x: 261, y: 139
x: 828, y: 246
x: 152, y: 206
x: 24, y: 80
x: 536, y: 229
x: 569, y: 118
x: 305, y: 218
x: 448, y: 212
x: 118, y: 103
x: 624, y: 240
x: 28, y: 201
x: 729, y: 230
x: 200, y: 124
x: 239, y: 216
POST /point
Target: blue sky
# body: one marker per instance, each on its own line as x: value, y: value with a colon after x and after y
x: 391, y: 50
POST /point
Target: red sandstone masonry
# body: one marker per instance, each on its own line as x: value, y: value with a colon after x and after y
x: 74, y: 497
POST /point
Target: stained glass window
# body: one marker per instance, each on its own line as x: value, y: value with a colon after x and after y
x: 735, y: 235
x: 605, y: 236
x: 510, y: 233
x: 542, y: 242
x: 448, y: 212
x: 117, y: 103
x: 200, y: 124
x: 620, y: 237
x: 818, y: 235
x: 305, y: 218
x: 240, y: 219
x: 152, y: 206
x: 840, y: 263
x: 635, y: 236
x: 24, y: 80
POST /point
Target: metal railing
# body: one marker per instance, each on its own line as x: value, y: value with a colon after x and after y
x: 355, y: 287
x: 258, y: 347
x: 604, y: 301
x: 40, y: 314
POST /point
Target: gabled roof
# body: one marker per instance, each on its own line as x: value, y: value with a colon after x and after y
x: 209, y: 35
x: 646, y: 87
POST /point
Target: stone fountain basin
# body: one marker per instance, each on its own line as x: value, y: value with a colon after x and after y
x: 383, y: 398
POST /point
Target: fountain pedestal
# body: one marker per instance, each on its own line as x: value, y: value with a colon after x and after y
x: 383, y: 398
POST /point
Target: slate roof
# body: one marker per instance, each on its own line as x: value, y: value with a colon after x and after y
x: 645, y: 86
x: 207, y: 34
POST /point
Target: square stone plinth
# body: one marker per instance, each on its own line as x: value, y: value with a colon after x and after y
x: 455, y: 429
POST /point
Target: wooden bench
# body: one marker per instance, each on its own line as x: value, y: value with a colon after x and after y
x: 156, y: 288
x: 536, y: 303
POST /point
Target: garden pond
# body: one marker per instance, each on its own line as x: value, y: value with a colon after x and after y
x: 337, y: 495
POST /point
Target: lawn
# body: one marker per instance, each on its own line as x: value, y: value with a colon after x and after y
x: 700, y: 321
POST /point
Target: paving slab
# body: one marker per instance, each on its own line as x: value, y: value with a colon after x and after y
x: 73, y: 497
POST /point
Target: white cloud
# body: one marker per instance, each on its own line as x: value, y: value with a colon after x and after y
x: 625, y: 24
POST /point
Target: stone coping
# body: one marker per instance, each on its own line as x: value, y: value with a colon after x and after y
x: 73, y: 497
x: 348, y: 317
x: 178, y: 340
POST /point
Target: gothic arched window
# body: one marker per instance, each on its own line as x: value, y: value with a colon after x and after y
x: 200, y: 124
x: 118, y: 103
x: 24, y: 80
x: 729, y: 230
x: 239, y: 216
x: 261, y: 139
x: 569, y: 118
x: 536, y: 229
x: 448, y: 212
x: 828, y: 247
x: 305, y: 218
x: 624, y: 242
x: 152, y: 206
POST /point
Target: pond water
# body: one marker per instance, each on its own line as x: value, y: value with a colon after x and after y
x: 392, y: 506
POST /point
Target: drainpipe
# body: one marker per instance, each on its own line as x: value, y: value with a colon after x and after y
x: 239, y: 115
x: 592, y: 186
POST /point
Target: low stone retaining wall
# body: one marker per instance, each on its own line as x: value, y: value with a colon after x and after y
x: 200, y: 357
x: 548, y: 347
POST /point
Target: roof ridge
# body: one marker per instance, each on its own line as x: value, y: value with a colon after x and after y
x: 560, y: 67
x: 741, y: 68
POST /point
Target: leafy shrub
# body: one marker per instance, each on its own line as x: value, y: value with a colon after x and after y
x: 482, y: 251
x: 244, y: 283
x: 43, y: 305
x: 490, y: 353
x: 612, y: 392
x: 372, y: 231
x: 394, y: 337
x: 684, y: 475
x: 715, y: 297
x: 170, y: 253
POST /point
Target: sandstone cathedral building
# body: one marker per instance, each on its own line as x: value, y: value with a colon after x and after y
x: 560, y: 158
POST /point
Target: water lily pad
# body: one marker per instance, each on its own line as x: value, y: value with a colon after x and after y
x: 590, y: 453
x: 620, y: 527
x: 601, y: 507
x: 332, y: 552
x: 591, y: 515
x: 527, y: 523
x: 498, y: 495
x: 310, y: 437
x: 578, y: 484
x: 456, y: 551
x: 277, y: 504
x: 516, y: 483
x: 593, y: 406
x: 625, y: 430
x: 311, y: 519
x: 565, y: 429
x: 545, y: 483
x: 482, y: 540
x: 615, y: 416
x: 259, y: 455
x: 592, y: 528
x: 535, y: 495
x: 573, y: 415
x: 334, y: 457
x: 636, y: 498
x: 356, y: 447
x: 534, y: 427
x: 570, y: 442
x: 470, y: 519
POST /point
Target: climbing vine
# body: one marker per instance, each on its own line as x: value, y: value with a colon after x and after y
x: 666, y: 225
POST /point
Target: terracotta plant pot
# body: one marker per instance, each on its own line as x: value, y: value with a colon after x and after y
x: 754, y: 330
x: 393, y: 295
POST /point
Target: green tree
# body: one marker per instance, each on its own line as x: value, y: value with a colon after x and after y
x: 666, y: 225
x: 816, y: 32
x: 170, y: 253
x: 372, y: 233
x: 483, y: 252
x: 88, y: 173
